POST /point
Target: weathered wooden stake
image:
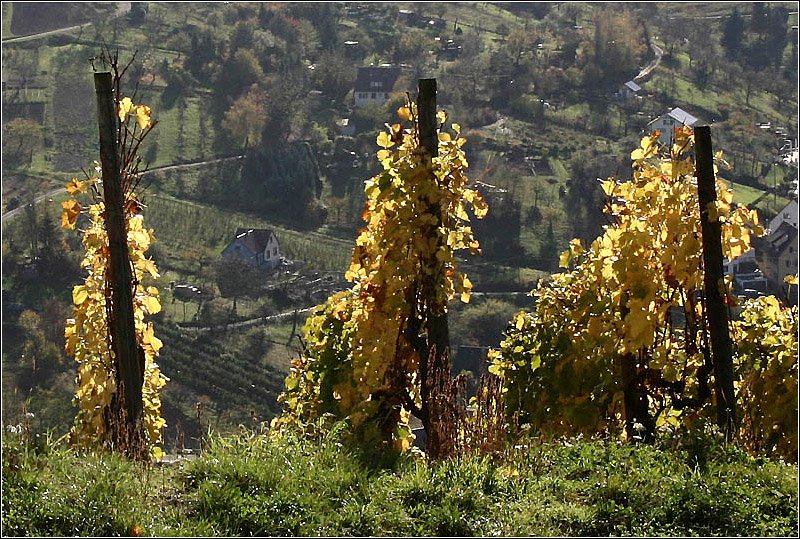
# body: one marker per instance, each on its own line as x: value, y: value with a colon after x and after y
x: 436, y: 327
x: 714, y: 284
x: 128, y: 358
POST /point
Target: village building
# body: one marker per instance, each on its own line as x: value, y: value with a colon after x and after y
x: 629, y: 90
x: 668, y: 121
x: 788, y: 214
x: 346, y: 127
x: 374, y: 84
x: 256, y: 246
x: 777, y: 251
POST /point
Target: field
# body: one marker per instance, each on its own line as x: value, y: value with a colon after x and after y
x: 540, y: 158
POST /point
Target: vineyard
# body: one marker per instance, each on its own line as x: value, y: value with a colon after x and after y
x: 536, y: 326
x: 233, y: 387
x: 183, y: 224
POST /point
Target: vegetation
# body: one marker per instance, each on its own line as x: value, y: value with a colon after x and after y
x: 251, y: 98
x: 118, y: 380
x: 375, y: 348
x: 248, y: 484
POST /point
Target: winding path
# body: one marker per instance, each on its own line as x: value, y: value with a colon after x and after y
x: 644, y: 73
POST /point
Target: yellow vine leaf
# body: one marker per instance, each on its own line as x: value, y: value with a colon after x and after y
x: 384, y: 140
x: 71, y: 211
x: 143, y: 116
x: 76, y: 186
x: 125, y: 107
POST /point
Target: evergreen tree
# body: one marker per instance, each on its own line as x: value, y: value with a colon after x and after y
x: 733, y: 34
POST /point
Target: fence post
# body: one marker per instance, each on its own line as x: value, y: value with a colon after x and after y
x: 714, y: 284
x: 128, y: 357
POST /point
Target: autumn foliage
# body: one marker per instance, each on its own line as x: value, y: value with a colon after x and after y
x: 362, y: 362
x: 637, y: 290
x: 87, y: 333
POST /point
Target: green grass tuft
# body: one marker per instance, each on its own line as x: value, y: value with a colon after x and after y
x: 251, y: 484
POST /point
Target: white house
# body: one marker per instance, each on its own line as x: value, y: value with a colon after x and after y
x: 374, y: 84
x: 777, y: 256
x: 668, y: 121
x: 256, y: 246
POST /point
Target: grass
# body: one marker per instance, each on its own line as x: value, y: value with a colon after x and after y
x: 8, y: 11
x: 181, y: 224
x: 255, y: 485
x: 744, y: 194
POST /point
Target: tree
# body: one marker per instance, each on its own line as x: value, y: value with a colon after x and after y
x: 39, y: 357
x: 236, y: 278
x: 238, y: 73
x: 334, y: 74
x: 244, y: 121
x: 22, y: 137
x: 733, y: 35
x: 482, y: 323
x: 519, y: 42
x: 548, y: 249
x: 759, y: 17
x: 584, y: 198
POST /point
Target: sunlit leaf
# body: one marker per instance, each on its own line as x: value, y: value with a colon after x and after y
x: 69, y: 216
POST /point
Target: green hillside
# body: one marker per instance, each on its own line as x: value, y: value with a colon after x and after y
x: 533, y: 84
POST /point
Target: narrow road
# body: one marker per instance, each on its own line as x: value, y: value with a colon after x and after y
x: 123, y: 8
x: 247, y: 323
x: 644, y: 73
x: 11, y: 213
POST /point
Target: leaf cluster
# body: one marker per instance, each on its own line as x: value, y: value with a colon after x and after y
x: 635, y: 291
x: 362, y: 360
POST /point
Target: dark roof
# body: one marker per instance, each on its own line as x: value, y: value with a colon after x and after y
x: 384, y: 75
x: 783, y: 237
x: 255, y: 239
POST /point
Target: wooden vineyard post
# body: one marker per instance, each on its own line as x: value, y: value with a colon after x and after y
x: 128, y: 357
x: 714, y: 284
x: 433, y: 360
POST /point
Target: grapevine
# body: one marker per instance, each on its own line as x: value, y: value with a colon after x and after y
x: 766, y: 360
x: 633, y: 297
x: 363, y: 356
x: 87, y: 333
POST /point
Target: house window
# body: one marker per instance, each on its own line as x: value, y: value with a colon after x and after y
x: 386, y: 96
x: 373, y: 95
